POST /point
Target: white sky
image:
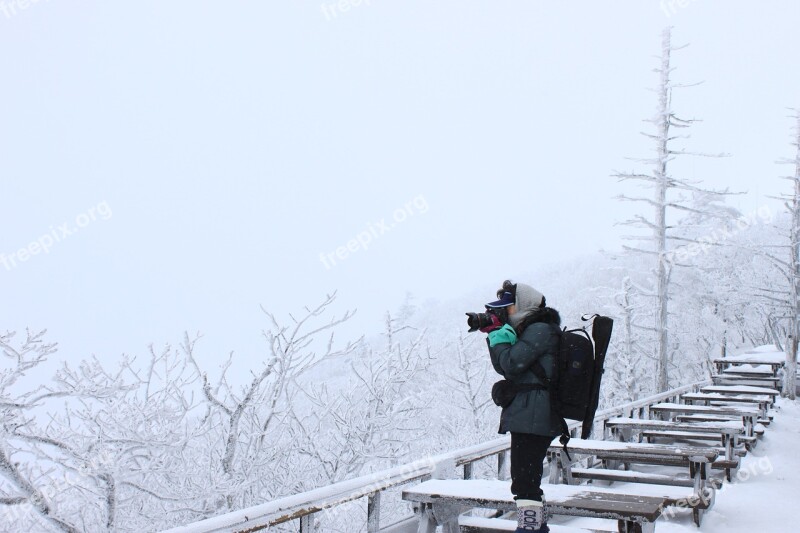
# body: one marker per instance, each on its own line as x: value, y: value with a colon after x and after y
x: 234, y: 142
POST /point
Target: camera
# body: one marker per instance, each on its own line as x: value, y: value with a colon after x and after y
x: 476, y: 321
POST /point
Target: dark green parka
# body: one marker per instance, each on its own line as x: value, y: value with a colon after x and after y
x: 530, y: 411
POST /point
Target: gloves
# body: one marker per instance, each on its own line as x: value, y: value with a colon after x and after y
x: 496, y: 324
x: 506, y: 334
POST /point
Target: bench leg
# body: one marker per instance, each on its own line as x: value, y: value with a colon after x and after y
x: 629, y: 526
x: 427, y: 523
x: 446, y: 515
x: 697, y: 516
x: 555, y: 466
x: 727, y: 442
x: 451, y: 527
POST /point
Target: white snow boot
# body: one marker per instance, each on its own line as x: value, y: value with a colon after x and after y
x: 531, y: 517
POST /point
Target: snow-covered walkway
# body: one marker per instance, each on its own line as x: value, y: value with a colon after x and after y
x: 764, y: 495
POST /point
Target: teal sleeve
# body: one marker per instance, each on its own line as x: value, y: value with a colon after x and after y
x: 506, y: 334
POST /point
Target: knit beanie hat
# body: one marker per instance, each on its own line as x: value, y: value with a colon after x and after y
x: 527, y: 299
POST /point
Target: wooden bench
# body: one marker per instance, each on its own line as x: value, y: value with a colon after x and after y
x: 715, y: 399
x: 695, y: 459
x: 772, y: 362
x: 747, y: 414
x: 773, y: 383
x: 749, y: 441
x: 442, y: 501
x: 728, y: 431
x: 692, y: 438
x: 741, y: 390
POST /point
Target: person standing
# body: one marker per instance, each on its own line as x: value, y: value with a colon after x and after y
x: 525, y: 332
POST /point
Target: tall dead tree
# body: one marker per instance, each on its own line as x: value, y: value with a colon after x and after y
x: 793, y: 204
x: 666, y: 196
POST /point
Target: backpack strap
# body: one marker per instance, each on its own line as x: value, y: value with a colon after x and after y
x: 538, y: 371
x: 564, y: 438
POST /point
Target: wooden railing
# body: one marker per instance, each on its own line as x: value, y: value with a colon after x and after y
x: 305, y: 506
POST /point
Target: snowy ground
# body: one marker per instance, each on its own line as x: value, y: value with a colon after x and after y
x: 764, y: 495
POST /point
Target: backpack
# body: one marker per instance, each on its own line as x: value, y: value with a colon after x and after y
x: 575, y: 386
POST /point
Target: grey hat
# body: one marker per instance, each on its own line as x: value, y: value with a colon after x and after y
x: 527, y: 299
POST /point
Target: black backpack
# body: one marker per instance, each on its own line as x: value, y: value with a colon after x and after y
x: 575, y: 387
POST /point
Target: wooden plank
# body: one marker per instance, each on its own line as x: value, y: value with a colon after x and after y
x: 741, y: 380
x: 704, y: 409
x: 755, y: 372
x: 724, y: 464
x: 701, y: 418
x: 689, y: 435
x: 709, y: 397
x: 771, y: 360
x: 569, y: 500
x: 631, y: 476
x: 477, y: 524
x: 632, y: 450
x: 730, y: 428
x: 739, y: 389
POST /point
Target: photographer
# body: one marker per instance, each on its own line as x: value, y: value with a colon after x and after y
x: 523, y: 333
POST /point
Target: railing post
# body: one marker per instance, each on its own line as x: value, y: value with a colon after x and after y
x: 790, y: 369
x: 374, y: 512
x: 467, y: 470
x: 308, y: 523
x: 502, y: 459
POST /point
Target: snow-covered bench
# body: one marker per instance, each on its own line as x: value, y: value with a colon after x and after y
x: 711, y: 398
x: 694, y: 458
x: 746, y: 413
x: 767, y: 381
x: 770, y: 362
x: 728, y: 432
x: 741, y: 390
x: 442, y: 501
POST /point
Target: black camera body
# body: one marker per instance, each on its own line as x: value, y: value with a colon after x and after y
x: 476, y: 321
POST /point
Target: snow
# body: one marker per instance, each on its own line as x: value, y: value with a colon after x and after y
x: 620, y: 421
x: 610, y: 445
x: 740, y: 389
x: 666, y: 406
x: 767, y: 348
x: 757, y: 358
x: 500, y: 491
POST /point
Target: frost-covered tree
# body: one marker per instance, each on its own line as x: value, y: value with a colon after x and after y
x: 794, y: 261
x: 108, y: 444
x: 785, y: 257
x: 627, y: 368
x: 249, y: 415
x: 370, y: 421
x: 667, y: 196
x: 471, y: 380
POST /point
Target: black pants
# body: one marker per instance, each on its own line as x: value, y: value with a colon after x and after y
x: 527, y: 455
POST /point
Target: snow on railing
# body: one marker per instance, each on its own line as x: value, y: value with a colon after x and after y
x: 303, y: 506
